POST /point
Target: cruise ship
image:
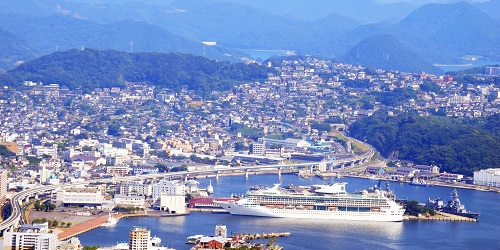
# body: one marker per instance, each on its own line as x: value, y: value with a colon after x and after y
x: 317, y: 202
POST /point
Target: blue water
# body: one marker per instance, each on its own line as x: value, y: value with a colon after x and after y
x: 473, y: 64
x: 317, y: 234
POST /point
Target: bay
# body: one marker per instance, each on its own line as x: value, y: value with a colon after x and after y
x: 325, y: 234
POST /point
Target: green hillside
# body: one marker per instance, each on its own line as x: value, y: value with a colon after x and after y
x: 91, y: 68
x: 455, y: 145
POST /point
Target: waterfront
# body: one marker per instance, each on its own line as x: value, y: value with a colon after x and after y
x: 316, y: 234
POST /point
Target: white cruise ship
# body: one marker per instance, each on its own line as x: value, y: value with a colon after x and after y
x: 317, y: 202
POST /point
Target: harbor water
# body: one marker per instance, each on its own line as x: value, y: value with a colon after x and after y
x: 325, y: 234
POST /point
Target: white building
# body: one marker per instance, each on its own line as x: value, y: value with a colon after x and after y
x: 31, y: 237
x: 487, y: 177
x: 40, y: 151
x: 135, y: 187
x: 168, y: 187
x: 123, y: 200
x: 173, y: 203
x: 287, y: 143
x: 87, y: 196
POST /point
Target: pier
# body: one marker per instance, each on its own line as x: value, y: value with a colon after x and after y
x: 247, y: 236
x: 440, y: 217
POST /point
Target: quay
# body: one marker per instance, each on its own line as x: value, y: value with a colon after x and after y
x: 247, y: 236
x: 82, y: 227
x: 441, y: 216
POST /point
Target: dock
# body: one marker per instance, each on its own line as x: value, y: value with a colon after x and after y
x: 440, y: 217
x: 247, y: 236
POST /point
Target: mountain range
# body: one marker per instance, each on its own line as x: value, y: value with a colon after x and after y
x: 434, y: 33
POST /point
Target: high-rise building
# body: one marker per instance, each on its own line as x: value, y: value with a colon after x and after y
x: 258, y: 149
x: 139, y: 238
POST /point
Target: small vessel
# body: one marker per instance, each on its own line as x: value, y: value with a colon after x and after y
x: 420, y: 182
x: 210, y: 189
x: 195, y: 239
x: 317, y: 202
x: 111, y: 221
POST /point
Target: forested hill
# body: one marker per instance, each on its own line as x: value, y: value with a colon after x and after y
x: 455, y: 145
x: 90, y: 68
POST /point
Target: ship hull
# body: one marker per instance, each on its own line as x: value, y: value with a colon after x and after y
x: 262, y: 211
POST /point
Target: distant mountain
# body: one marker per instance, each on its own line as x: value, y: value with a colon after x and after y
x: 89, y: 68
x: 491, y: 8
x: 13, y: 50
x: 437, y: 33
x: 387, y: 52
x: 58, y: 32
x: 444, y: 32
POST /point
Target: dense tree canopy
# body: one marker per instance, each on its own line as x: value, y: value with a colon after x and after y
x: 455, y: 145
x: 89, y: 69
x: 4, y: 151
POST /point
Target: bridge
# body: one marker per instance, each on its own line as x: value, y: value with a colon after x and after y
x: 17, y: 199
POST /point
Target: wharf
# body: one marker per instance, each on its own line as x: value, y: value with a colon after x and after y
x: 442, y: 217
x: 247, y: 236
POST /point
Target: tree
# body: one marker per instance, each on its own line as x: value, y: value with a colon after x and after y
x: 37, y: 205
x: 55, y: 223
x: 4, y: 151
x: 68, y: 224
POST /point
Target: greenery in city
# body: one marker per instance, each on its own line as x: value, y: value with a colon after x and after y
x: 52, y: 223
x: 33, y: 160
x: 247, y: 132
x: 45, y: 206
x: 91, y: 247
x: 179, y: 169
x: 4, y: 151
x: 412, y: 208
x: 90, y: 68
x: 456, y: 145
x: 127, y: 209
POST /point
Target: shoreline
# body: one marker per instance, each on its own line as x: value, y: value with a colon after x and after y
x: 99, y: 221
x: 436, y: 183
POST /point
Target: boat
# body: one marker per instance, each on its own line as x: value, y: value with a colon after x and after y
x: 420, y: 182
x: 210, y: 188
x: 195, y: 239
x: 454, y: 206
x: 329, y: 201
x: 111, y: 221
